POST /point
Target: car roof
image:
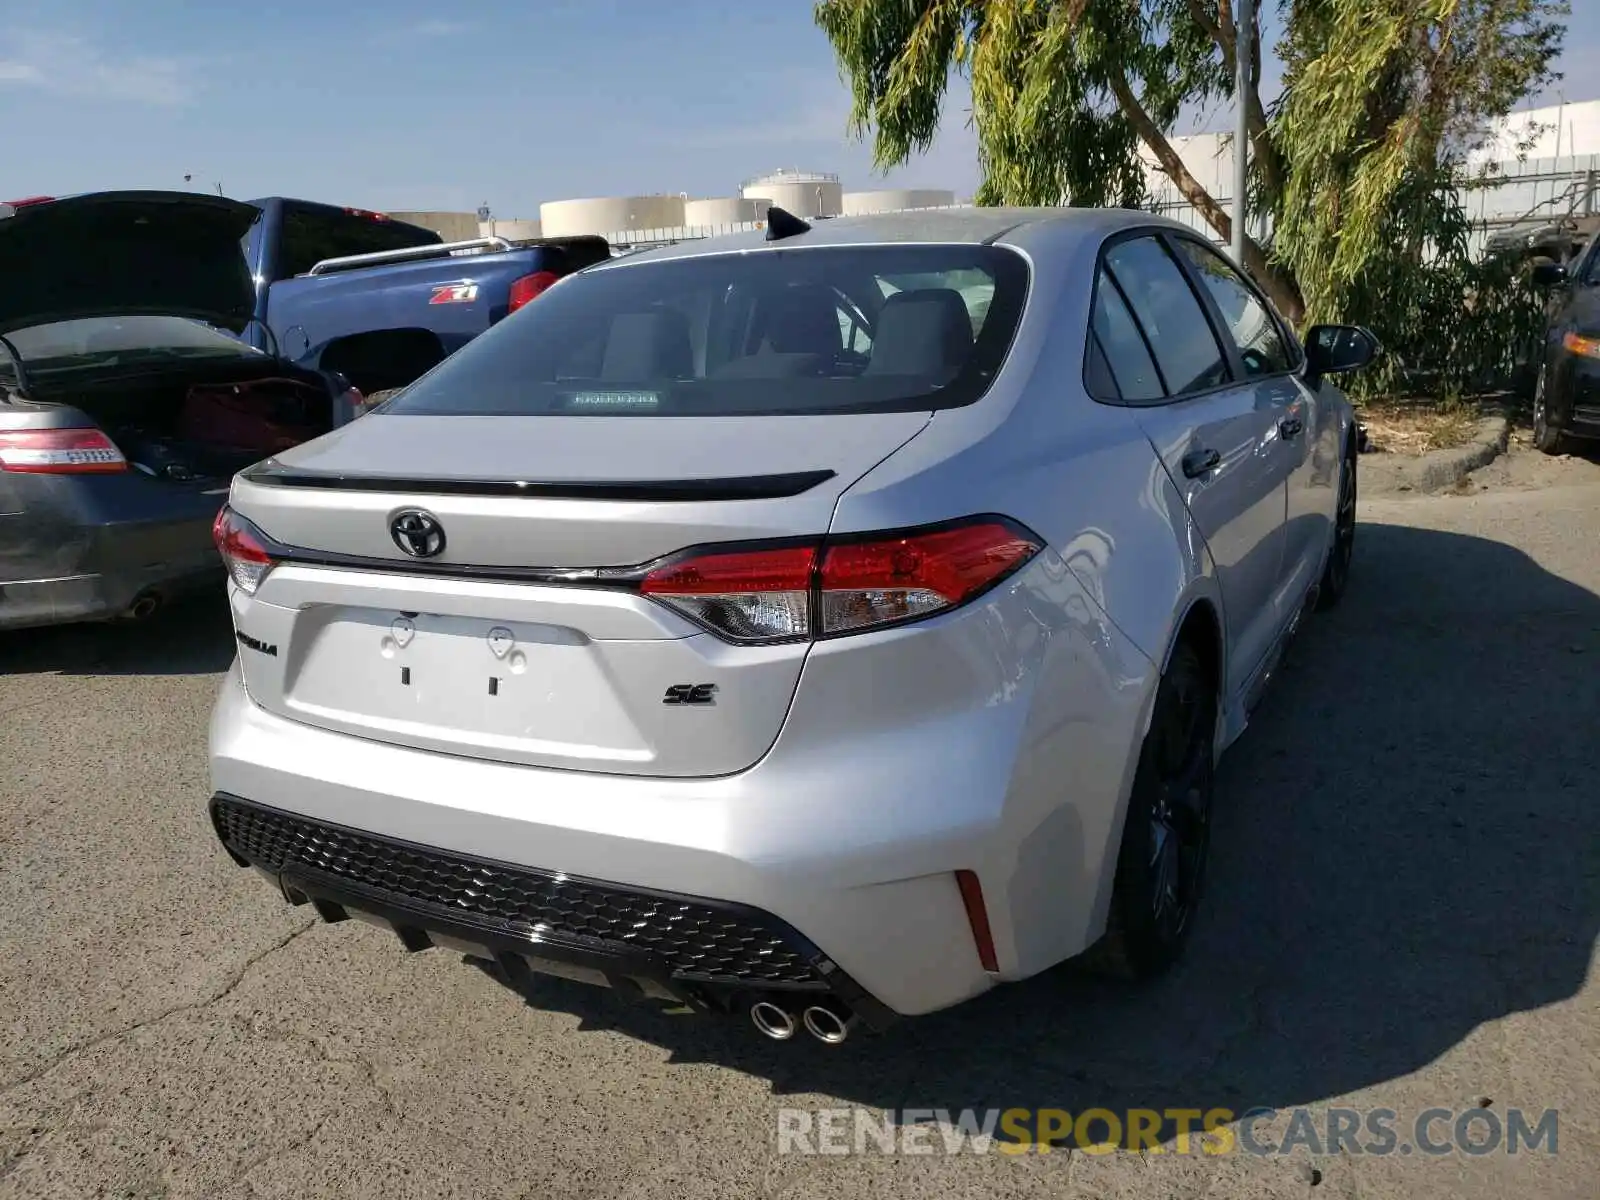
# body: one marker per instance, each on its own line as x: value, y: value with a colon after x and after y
x: 959, y: 226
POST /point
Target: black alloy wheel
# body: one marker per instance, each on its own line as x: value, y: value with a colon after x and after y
x: 1167, y: 835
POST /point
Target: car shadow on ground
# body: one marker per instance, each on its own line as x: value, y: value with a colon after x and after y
x: 192, y: 637
x: 1404, y: 850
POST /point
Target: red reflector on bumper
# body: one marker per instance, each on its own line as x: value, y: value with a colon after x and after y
x: 978, y: 918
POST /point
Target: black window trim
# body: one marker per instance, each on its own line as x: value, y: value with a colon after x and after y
x: 1167, y: 237
x: 1105, y: 272
x: 1096, y: 348
x: 1159, y: 233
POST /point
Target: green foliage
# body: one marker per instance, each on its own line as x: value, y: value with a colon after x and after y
x: 1041, y: 74
x: 1356, y: 164
x: 1451, y: 324
x: 1381, y: 98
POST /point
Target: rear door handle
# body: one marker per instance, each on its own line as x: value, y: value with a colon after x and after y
x: 1200, y: 462
x: 1290, y: 427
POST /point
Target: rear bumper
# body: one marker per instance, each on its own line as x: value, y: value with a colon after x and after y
x: 30, y: 603
x: 887, y: 913
x: 85, y: 547
x: 1573, y: 402
x: 704, y: 953
x: 846, y: 836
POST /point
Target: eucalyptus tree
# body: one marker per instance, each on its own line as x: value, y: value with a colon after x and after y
x: 1355, y: 161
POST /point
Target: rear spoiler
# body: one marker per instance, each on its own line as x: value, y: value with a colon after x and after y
x: 493, y: 244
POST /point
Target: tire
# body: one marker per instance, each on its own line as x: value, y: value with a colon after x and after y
x: 1166, y: 836
x: 1336, y: 572
x: 1545, y: 438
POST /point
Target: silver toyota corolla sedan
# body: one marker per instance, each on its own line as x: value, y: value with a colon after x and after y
x: 826, y: 624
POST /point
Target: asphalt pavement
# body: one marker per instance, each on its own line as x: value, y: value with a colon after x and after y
x: 1403, y: 911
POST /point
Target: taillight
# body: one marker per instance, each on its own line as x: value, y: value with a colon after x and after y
x: 1584, y: 346
x: 354, y: 401
x: 60, y: 452
x: 789, y: 593
x: 529, y: 287
x: 243, y: 549
x: 876, y: 581
x: 744, y: 595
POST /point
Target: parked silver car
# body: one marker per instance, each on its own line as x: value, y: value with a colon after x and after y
x: 827, y: 625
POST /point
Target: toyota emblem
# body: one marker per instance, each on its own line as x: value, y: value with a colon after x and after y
x: 417, y: 533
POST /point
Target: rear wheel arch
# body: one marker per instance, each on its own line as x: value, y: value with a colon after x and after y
x: 1201, y: 627
x: 1125, y: 948
x: 383, y: 359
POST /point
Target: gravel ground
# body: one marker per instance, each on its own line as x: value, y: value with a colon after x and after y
x: 1403, y: 914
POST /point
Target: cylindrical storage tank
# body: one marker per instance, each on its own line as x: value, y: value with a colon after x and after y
x: 895, y: 200
x: 515, y: 230
x: 612, y: 214
x: 724, y: 210
x: 803, y: 193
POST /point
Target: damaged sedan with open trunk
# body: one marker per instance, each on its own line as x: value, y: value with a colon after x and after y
x: 127, y: 402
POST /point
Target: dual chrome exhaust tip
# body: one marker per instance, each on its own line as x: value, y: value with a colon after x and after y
x: 828, y: 1022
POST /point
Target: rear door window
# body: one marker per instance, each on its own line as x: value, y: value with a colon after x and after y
x: 1179, y: 332
x: 314, y: 232
x: 773, y: 332
x: 1126, y: 354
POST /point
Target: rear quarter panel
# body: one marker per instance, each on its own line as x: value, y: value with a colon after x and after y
x: 1092, y: 627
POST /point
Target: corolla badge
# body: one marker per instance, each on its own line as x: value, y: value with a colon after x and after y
x: 417, y: 533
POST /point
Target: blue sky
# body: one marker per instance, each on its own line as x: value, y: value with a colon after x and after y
x: 404, y: 105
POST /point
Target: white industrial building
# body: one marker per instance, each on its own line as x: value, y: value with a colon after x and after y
x: 1536, y: 165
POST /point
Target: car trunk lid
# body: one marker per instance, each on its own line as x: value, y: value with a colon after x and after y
x: 123, y: 254
x: 504, y: 641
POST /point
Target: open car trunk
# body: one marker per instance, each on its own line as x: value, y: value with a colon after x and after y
x: 201, y: 422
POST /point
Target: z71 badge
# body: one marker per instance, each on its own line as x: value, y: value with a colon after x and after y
x: 464, y: 292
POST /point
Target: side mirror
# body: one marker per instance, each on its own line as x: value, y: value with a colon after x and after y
x: 1336, y: 349
x: 1549, y: 274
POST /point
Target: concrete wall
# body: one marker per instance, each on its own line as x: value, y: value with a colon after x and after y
x: 517, y: 231
x: 451, y: 226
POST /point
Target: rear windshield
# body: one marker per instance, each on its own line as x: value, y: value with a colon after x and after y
x: 776, y: 332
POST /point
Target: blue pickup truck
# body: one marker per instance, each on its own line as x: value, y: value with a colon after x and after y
x: 379, y: 301
x: 128, y: 394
